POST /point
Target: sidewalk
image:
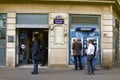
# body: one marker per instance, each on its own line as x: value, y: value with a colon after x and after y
x: 58, y: 74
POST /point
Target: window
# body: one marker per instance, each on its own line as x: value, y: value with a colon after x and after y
x: 32, y: 19
x: 3, y: 20
x: 2, y: 33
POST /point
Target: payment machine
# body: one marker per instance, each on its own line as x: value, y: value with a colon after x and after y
x: 85, y: 34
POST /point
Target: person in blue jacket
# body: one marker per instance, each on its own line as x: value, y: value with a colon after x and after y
x: 35, y: 55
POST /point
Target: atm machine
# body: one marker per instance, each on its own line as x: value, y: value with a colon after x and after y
x: 85, y: 34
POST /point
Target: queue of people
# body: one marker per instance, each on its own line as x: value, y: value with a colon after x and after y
x: 40, y: 52
x: 90, y: 52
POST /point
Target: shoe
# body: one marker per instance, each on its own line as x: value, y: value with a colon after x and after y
x: 92, y: 73
x: 42, y: 65
x: 34, y: 73
x: 81, y: 68
x: 87, y: 73
x: 75, y: 69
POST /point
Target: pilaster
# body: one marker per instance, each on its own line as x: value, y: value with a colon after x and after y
x: 58, y: 36
x: 107, y: 41
x: 10, y: 50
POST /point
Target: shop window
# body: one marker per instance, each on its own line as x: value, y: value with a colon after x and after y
x: 3, y: 19
x: 3, y: 22
x: 2, y: 33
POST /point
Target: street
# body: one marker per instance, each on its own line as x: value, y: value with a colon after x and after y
x: 58, y: 74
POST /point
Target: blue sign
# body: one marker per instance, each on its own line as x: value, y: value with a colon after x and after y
x: 85, y: 29
x: 58, y: 21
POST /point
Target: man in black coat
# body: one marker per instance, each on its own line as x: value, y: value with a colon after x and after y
x: 35, y: 55
x: 44, y: 53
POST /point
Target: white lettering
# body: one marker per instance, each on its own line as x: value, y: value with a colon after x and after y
x: 88, y: 29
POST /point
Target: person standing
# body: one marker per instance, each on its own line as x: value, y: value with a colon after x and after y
x: 95, y: 57
x: 44, y: 51
x: 35, y: 55
x: 90, y: 57
x: 77, y: 47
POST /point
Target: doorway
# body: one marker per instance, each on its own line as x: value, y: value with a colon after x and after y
x: 24, y: 41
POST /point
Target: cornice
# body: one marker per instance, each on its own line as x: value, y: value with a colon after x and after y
x: 82, y: 1
x: 113, y: 3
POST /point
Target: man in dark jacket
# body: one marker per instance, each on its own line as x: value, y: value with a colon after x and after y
x: 44, y: 53
x: 35, y: 55
x: 77, y: 47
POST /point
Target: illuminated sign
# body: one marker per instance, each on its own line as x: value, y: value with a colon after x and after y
x: 87, y: 29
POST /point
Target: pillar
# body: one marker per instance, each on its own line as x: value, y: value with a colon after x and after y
x: 10, y: 49
x: 107, y: 41
x: 58, y: 40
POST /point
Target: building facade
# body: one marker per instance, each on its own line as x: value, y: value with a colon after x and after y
x: 59, y: 22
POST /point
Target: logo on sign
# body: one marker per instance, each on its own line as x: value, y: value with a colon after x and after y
x: 85, y: 29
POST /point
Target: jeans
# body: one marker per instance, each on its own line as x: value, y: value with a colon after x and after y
x: 90, y: 63
x: 35, y: 65
x: 77, y: 57
x: 94, y: 63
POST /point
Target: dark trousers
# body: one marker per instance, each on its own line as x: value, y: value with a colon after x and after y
x: 90, y: 64
x: 77, y: 61
x: 35, y: 66
x: 44, y: 58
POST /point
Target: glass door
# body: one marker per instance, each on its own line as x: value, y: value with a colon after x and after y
x: 23, y: 47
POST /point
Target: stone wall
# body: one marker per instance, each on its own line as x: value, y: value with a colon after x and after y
x: 59, y: 53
